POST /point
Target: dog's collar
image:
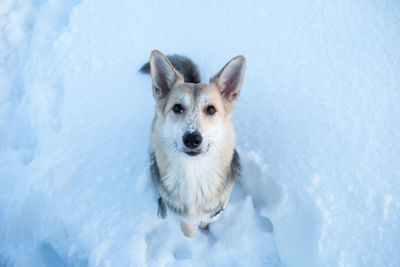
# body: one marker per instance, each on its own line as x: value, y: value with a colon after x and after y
x: 217, y: 213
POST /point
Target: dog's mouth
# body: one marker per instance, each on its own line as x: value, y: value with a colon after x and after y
x: 193, y: 152
x: 196, y: 152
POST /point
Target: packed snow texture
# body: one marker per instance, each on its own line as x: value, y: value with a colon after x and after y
x: 317, y: 122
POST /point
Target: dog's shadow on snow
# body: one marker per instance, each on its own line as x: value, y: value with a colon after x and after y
x: 258, y: 187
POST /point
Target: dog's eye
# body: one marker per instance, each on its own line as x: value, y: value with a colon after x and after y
x: 178, y: 109
x: 211, y: 110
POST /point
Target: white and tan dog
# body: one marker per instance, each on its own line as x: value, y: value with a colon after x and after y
x: 194, y: 161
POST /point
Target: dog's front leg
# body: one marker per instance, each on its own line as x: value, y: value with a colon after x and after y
x: 188, y: 230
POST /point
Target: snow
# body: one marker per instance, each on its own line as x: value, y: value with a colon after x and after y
x: 317, y: 123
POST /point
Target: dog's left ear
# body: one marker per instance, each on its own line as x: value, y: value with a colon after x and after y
x: 230, y: 78
x: 163, y: 74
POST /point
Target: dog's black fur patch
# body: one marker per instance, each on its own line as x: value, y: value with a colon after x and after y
x: 156, y: 179
x: 236, y: 168
x: 183, y: 65
x: 162, y: 210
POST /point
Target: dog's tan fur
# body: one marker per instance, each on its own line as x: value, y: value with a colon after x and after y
x: 194, y: 186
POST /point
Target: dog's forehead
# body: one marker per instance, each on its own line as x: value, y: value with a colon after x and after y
x: 195, y: 93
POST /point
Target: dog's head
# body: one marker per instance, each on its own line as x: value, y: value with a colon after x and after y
x: 193, y: 119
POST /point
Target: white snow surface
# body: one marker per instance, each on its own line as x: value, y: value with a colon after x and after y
x: 317, y: 122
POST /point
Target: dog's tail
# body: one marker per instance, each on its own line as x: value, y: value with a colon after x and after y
x: 183, y: 65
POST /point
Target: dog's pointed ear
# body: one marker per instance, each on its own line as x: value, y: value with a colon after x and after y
x: 230, y: 78
x: 163, y: 74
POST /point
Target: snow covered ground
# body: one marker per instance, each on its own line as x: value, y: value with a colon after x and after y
x: 318, y: 126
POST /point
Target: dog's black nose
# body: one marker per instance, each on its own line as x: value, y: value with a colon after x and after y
x: 192, y: 140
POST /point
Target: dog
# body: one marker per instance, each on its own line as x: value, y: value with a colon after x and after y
x: 194, y: 161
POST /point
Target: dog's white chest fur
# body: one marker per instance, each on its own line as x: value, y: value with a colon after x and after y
x: 194, y: 183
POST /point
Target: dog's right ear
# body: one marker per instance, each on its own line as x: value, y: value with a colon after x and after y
x: 163, y: 74
x: 230, y: 78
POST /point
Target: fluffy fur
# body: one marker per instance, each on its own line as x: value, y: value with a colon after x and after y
x: 195, y: 183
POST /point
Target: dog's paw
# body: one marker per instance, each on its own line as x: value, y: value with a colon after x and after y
x: 188, y: 230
